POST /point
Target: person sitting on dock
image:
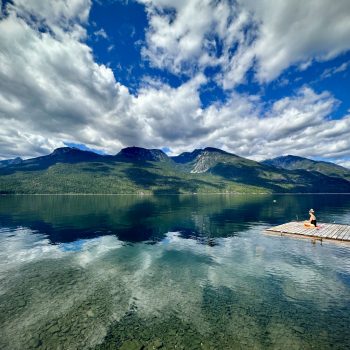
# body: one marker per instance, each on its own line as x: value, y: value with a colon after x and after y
x: 312, y: 221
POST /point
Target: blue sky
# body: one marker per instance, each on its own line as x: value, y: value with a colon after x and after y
x: 125, y: 24
x: 255, y: 78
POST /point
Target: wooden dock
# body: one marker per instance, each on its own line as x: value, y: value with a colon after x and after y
x: 323, y: 231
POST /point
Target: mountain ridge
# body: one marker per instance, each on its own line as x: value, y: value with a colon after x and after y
x: 11, y: 161
x: 141, y: 170
x: 291, y: 162
x: 142, y: 154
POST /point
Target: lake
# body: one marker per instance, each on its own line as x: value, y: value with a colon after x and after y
x: 170, y: 272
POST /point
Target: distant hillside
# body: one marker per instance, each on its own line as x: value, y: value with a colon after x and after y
x: 245, y: 171
x: 59, y: 155
x: 296, y: 163
x: 151, y: 171
x: 141, y: 154
x: 6, y: 162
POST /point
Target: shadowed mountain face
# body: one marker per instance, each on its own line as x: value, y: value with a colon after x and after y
x: 141, y: 154
x: 59, y: 155
x: 151, y: 171
x: 299, y: 163
x: 6, y: 162
x: 187, y: 157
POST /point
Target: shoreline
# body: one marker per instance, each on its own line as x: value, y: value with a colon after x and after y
x: 174, y: 194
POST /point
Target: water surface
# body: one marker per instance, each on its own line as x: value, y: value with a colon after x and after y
x: 184, y: 272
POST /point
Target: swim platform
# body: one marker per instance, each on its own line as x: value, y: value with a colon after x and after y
x: 336, y: 232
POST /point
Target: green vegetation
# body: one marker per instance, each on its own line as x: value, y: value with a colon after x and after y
x: 142, y: 171
x: 123, y: 178
x: 300, y: 163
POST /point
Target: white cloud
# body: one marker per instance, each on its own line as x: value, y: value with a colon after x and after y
x: 51, y: 86
x: 171, y: 114
x: 265, y: 35
x: 294, y: 125
x: 298, y: 31
x: 344, y: 163
x: 110, y: 48
x: 58, y: 16
x: 101, y: 33
x: 179, y: 35
x: 327, y: 73
x: 52, y: 91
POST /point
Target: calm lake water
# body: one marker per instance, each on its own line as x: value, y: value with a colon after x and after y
x: 170, y: 272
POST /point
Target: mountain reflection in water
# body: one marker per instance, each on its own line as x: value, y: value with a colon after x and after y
x: 148, y: 218
x: 185, y: 272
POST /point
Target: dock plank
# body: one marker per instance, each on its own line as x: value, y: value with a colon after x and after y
x: 340, y: 232
x: 345, y: 232
x: 332, y: 230
x: 323, y: 231
x: 346, y: 237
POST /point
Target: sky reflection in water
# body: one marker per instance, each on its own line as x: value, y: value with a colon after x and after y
x: 248, y: 289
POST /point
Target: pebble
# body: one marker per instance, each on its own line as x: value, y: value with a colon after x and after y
x: 298, y: 329
x: 90, y: 313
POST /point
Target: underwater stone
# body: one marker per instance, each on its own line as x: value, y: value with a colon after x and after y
x: 34, y: 342
x: 298, y: 329
x: 131, y: 345
x: 54, y: 329
x: 21, y: 303
x: 156, y: 344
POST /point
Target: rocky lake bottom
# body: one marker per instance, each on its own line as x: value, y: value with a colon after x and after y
x: 181, y: 272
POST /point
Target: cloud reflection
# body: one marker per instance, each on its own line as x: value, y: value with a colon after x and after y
x: 92, y: 283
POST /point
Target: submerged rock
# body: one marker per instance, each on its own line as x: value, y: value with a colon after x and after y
x: 34, y: 343
x: 155, y: 344
x: 131, y: 345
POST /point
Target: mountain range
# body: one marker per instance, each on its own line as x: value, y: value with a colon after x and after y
x: 296, y: 163
x: 151, y: 171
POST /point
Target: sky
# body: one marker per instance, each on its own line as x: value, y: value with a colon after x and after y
x: 257, y: 78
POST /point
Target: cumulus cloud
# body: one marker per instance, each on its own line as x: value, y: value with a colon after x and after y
x: 294, y: 125
x: 297, y: 31
x: 171, y: 114
x: 183, y: 35
x: 57, y: 16
x: 263, y: 35
x: 51, y: 86
x: 52, y: 91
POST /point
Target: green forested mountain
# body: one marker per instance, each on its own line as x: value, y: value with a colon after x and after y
x: 140, y: 170
x: 299, y: 163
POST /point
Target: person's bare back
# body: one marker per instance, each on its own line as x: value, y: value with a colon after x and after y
x: 312, y: 221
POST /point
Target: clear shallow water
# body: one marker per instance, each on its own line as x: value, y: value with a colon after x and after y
x: 184, y: 272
